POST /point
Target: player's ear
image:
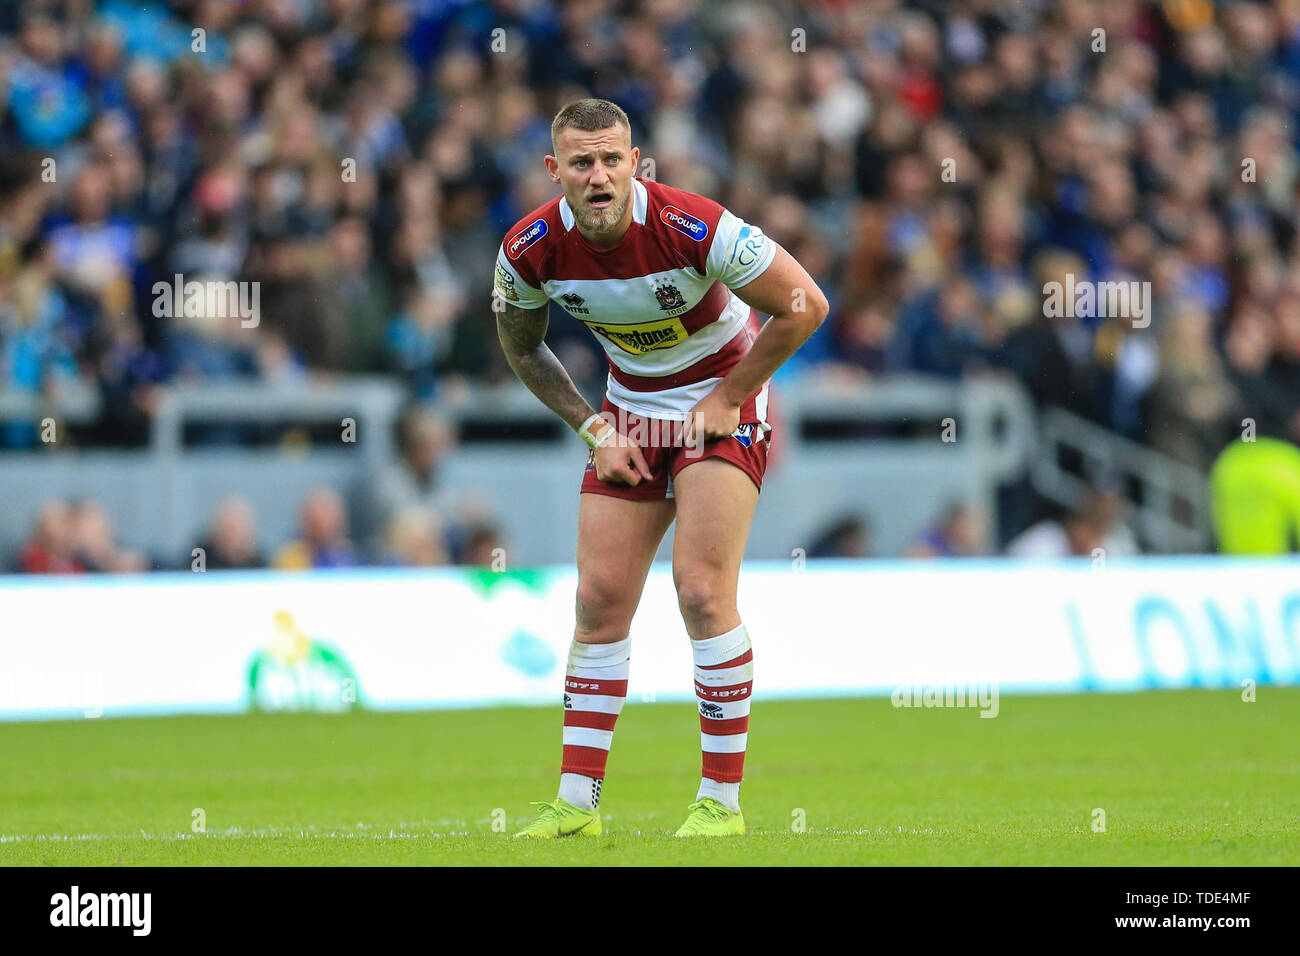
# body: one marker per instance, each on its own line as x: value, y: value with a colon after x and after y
x: 553, y: 167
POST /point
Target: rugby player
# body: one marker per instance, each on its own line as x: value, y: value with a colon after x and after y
x: 670, y: 283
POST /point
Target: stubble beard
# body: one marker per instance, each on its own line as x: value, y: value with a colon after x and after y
x: 601, y: 221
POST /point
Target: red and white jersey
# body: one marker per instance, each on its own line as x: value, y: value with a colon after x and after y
x: 660, y: 302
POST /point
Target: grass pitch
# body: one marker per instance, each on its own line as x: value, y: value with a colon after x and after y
x: 1184, y: 778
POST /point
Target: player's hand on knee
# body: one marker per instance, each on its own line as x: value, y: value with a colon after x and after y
x: 621, y: 462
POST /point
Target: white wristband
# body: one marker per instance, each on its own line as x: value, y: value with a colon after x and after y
x: 592, y: 441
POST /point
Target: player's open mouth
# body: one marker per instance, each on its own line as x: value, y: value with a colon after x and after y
x: 600, y: 200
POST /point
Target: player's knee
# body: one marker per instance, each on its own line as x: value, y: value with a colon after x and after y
x: 703, y: 597
x: 603, y: 612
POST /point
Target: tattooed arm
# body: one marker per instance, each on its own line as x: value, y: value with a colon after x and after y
x: 522, y: 332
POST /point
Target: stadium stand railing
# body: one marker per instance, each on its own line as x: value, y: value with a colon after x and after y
x: 1170, y: 506
x: 76, y: 402
x: 896, y: 454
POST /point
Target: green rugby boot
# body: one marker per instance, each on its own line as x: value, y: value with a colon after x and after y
x: 710, y: 818
x: 561, y: 819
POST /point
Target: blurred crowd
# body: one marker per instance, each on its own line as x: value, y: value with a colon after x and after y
x: 404, y: 517
x: 1096, y: 528
x: 932, y: 164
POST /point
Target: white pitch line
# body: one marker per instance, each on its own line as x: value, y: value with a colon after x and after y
x: 407, y: 830
x: 397, y: 831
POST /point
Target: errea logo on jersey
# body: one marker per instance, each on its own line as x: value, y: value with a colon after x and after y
x: 684, y: 222
x: 575, y: 303
x: 526, y: 238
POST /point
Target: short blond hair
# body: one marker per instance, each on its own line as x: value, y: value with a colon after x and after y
x: 588, y: 115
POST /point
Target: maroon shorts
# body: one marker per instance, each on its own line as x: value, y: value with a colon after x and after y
x: 665, y: 455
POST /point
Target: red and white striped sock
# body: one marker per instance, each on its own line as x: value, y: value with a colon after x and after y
x: 724, y: 680
x: 595, y: 685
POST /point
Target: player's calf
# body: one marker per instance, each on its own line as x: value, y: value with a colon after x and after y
x: 595, y: 687
x: 724, y: 681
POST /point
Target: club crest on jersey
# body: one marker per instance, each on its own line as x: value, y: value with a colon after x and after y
x: 744, y: 434
x: 669, y: 296
x: 525, y: 238
x: 574, y: 303
x: 684, y: 222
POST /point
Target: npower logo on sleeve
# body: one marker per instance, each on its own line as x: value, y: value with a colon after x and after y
x: 525, y: 238
x: 102, y: 909
x: 684, y: 222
